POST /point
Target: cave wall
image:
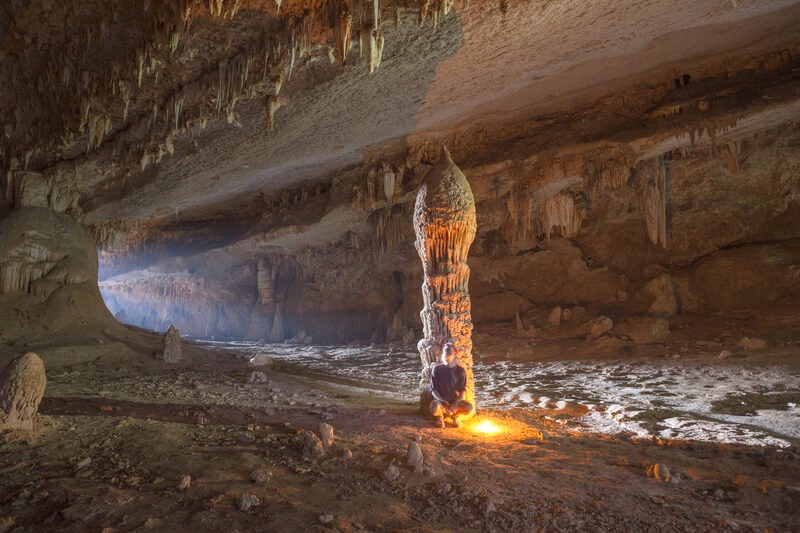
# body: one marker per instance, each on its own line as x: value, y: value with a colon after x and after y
x: 571, y: 231
x: 48, y: 277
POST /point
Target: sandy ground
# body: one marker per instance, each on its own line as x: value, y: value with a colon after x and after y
x: 120, y: 430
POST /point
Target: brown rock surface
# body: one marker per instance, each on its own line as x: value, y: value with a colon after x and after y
x: 644, y: 330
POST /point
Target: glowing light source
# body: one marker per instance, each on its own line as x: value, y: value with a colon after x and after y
x: 487, y: 427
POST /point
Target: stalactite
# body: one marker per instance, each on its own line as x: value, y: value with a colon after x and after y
x: 652, y: 194
x: 560, y: 211
x: 343, y: 32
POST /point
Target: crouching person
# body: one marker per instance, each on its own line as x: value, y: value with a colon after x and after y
x: 448, y: 383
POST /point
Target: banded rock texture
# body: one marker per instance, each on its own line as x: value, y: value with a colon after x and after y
x: 22, y: 385
x: 445, y: 226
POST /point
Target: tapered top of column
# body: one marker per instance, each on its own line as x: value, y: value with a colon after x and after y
x: 445, y: 197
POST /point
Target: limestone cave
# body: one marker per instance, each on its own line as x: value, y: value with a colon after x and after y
x: 239, y: 237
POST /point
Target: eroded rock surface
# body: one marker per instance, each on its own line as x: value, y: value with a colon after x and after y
x: 22, y: 384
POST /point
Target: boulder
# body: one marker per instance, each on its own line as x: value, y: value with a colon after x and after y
x: 310, y: 445
x: 22, y: 385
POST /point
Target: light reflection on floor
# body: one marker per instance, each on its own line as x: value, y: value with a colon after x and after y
x: 700, y: 400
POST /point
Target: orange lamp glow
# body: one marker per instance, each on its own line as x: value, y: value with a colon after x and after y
x: 487, y: 427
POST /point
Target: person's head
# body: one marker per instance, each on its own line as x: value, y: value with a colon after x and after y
x: 449, y: 354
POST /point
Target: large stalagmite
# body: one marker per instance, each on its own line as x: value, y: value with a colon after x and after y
x: 445, y: 225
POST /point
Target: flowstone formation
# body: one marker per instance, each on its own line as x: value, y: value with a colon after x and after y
x: 22, y: 385
x: 445, y: 226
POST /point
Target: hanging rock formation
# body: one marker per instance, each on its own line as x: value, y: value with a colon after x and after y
x: 445, y: 226
x: 22, y: 385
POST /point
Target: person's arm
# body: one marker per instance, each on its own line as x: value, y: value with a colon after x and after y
x: 434, y: 392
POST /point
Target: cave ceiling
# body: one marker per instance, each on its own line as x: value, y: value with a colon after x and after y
x: 194, y: 126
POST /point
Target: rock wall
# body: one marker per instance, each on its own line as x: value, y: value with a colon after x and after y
x: 48, y: 277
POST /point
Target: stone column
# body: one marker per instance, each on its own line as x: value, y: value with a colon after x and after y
x: 444, y: 222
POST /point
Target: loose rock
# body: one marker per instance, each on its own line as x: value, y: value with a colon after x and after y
x: 326, y: 434
x: 310, y: 445
x: 260, y: 476
x: 724, y: 354
x: 391, y: 473
x: 414, y: 456
x: 257, y: 377
x: 22, y: 385
x: 246, y: 501
x: 185, y: 482
x: 326, y: 519
x: 659, y: 471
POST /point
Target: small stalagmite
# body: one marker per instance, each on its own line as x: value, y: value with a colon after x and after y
x: 171, y: 345
x: 445, y: 225
x: 22, y: 385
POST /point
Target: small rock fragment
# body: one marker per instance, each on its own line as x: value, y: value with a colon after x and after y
x: 246, y: 501
x: 326, y: 434
x: 490, y: 508
x: 260, y: 476
x: 659, y: 471
x: 257, y: 377
x: 83, y: 463
x: 724, y: 354
x: 392, y: 472
x: 326, y: 519
x: 261, y: 360
x: 185, y: 482
x: 414, y: 456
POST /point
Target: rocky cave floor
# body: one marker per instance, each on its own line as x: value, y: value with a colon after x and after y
x: 119, y: 432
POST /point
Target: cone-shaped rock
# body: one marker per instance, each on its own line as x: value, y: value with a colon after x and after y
x: 171, y: 345
x: 444, y: 223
